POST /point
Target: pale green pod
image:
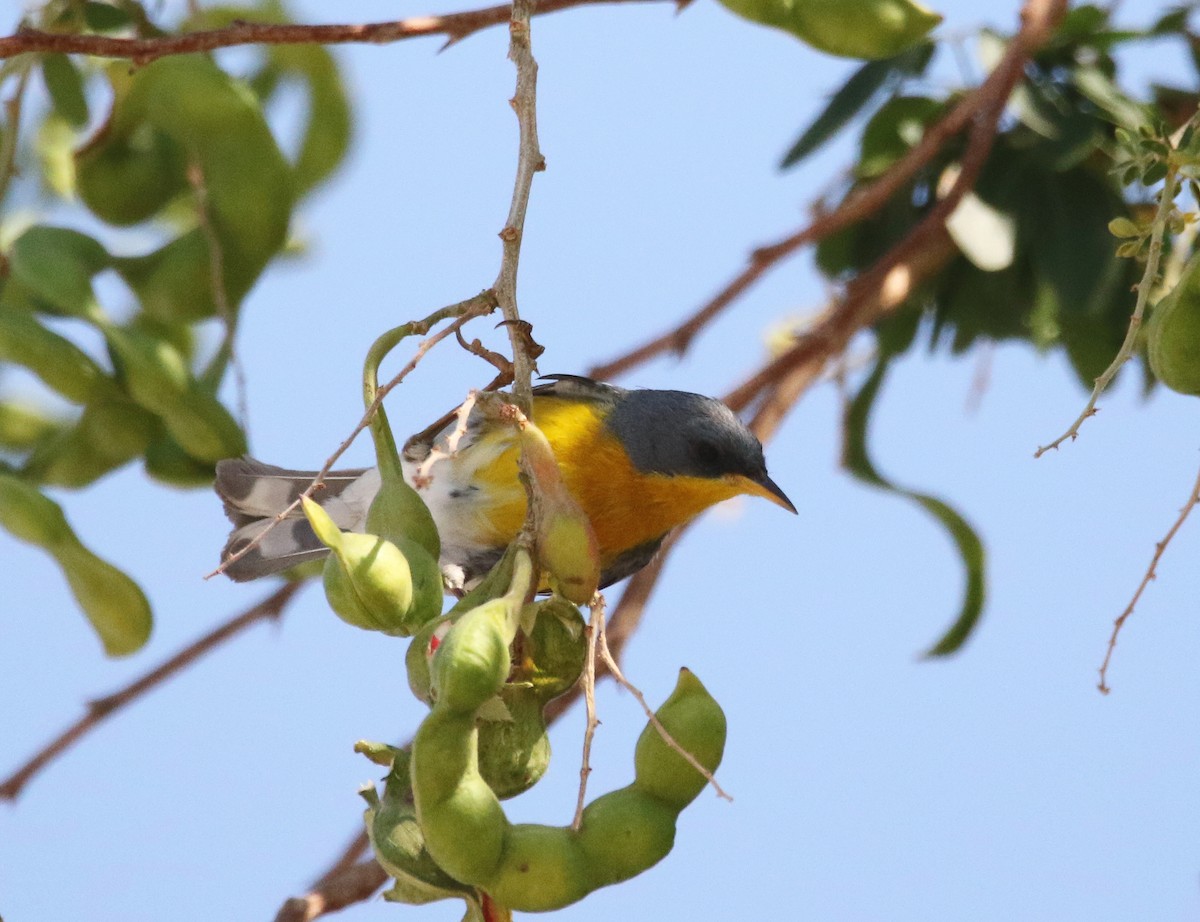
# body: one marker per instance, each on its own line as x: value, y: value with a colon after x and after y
x: 696, y: 722
x: 543, y: 868
x: 368, y: 584
x: 472, y: 662
x: 515, y: 753
x: 22, y: 426
x: 555, y: 649
x: 397, y: 511
x: 419, y: 655
x: 625, y: 832
x: 1173, y: 335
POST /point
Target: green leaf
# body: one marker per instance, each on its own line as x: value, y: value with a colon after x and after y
x: 57, y: 264
x: 857, y: 461
x: 65, y: 86
x: 100, y: 17
x: 1108, y: 97
x: 863, y: 86
x: 893, y: 131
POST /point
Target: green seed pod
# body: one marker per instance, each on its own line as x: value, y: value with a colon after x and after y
x: 398, y: 842
x: 851, y: 28
x: 367, y: 579
x: 543, y: 869
x: 174, y: 282
x: 1174, y: 333
x: 472, y: 662
x: 625, y: 832
x: 62, y: 365
x: 419, y: 654
x: 398, y: 512
x: 566, y: 545
x: 696, y: 722
x: 515, y: 753
x: 114, y: 603
x: 555, y: 650
x: 31, y: 517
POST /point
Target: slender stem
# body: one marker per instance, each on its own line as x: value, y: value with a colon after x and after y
x: 101, y: 708
x: 455, y: 26
x: 615, y: 670
x: 529, y: 161
x: 1151, y: 572
x: 1166, y: 202
x: 595, y: 629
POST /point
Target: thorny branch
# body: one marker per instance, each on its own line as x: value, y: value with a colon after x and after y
x: 101, y: 708
x: 1151, y: 572
x: 455, y: 26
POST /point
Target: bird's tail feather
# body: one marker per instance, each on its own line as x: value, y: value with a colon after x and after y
x: 254, y: 493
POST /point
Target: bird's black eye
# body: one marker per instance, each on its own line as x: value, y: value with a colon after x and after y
x: 707, y: 454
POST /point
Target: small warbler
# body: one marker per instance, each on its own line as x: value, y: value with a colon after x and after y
x: 639, y: 462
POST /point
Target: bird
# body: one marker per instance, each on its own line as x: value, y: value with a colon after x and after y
x: 639, y: 462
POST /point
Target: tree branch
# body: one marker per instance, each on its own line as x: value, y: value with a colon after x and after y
x: 455, y: 26
x: 1039, y: 18
x: 101, y: 708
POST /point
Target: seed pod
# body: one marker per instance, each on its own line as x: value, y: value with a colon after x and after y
x: 420, y: 653
x: 367, y: 579
x: 1174, y: 333
x: 543, y: 868
x: 110, y: 433
x: 566, y: 545
x: 398, y: 842
x: 625, y: 832
x: 202, y: 426
x: 472, y: 662
x: 515, y: 753
x: 696, y: 722
x: 555, y: 649
x: 852, y: 28
x: 397, y: 511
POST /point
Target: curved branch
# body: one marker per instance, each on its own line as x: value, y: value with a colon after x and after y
x: 455, y: 26
x: 99, y: 709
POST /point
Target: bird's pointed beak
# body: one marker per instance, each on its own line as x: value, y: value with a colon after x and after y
x: 765, y: 487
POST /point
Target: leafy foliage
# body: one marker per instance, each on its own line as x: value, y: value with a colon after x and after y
x: 182, y: 150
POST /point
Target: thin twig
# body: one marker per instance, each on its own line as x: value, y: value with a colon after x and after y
x: 1151, y: 572
x: 529, y: 161
x: 101, y: 708
x: 12, y: 131
x: 455, y: 26
x: 616, y: 673
x: 595, y: 629
x: 422, y: 477
x: 463, y: 312
x: 1166, y: 202
x: 220, y: 293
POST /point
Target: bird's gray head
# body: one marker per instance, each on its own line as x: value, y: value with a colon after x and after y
x: 682, y: 434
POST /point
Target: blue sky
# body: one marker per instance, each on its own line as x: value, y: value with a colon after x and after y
x: 868, y: 784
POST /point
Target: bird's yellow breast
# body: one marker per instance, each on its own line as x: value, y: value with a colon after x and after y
x: 626, y: 507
